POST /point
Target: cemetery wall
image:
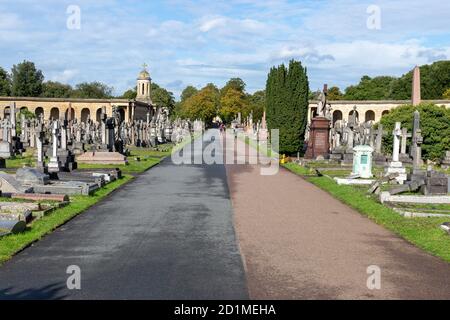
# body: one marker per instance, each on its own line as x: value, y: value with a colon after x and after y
x: 367, y: 110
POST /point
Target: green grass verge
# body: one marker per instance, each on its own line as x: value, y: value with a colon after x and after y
x: 26, y: 159
x: 11, y: 244
x: 422, y: 232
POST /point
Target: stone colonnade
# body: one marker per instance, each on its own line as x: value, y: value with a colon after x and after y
x: 367, y: 110
x: 80, y: 109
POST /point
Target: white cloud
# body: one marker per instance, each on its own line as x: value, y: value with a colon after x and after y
x: 65, y: 76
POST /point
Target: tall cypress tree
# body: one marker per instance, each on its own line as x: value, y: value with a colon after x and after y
x: 287, y: 92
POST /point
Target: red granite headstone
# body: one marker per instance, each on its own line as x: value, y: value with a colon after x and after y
x: 319, y: 143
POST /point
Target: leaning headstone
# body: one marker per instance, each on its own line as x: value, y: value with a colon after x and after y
x: 11, y: 226
x: 9, y: 184
x: 31, y: 176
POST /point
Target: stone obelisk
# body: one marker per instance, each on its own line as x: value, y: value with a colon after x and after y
x: 416, y: 96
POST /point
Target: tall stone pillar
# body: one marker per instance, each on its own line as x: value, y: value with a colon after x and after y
x: 416, y: 94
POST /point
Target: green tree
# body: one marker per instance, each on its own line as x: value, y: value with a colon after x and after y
x: 377, y: 88
x: 28, y: 115
x: 5, y: 83
x: 334, y: 94
x: 446, y: 94
x: 203, y: 105
x: 52, y: 89
x: 287, y: 93
x: 257, y: 103
x: 434, y: 122
x: 231, y: 103
x: 435, y: 79
x: 26, y: 80
x: 188, y: 92
x: 130, y: 94
x: 162, y: 97
x: 92, y: 90
x: 234, y: 83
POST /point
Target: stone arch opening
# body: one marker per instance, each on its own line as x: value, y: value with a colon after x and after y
x: 54, y: 114
x: 370, y: 116
x: 23, y: 109
x: 39, y: 112
x: 85, y: 114
x: 350, y: 114
x: 385, y: 112
x: 337, y: 115
x: 122, y: 114
x: 7, y: 112
x: 99, y: 115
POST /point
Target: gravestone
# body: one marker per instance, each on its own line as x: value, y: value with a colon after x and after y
x: 54, y: 164
x: 445, y: 162
x: 404, y: 157
x: 319, y: 136
x: 362, y: 161
x: 30, y: 176
x: 395, y: 166
x: 417, y: 140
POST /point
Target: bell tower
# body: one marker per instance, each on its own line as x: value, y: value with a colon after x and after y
x: 143, y: 86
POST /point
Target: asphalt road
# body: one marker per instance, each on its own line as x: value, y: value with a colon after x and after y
x: 167, y: 235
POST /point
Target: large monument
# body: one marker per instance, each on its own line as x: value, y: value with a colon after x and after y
x: 416, y: 95
x: 319, y: 134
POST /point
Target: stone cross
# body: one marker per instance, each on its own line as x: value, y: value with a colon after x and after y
x: 64, y: 135
x: 417, y: 140
x: 405, y: 136
x: 103, y: 126
x: 396, y: 148
x: 7, y: 130
x: 53, y: 166
x: 13, y: 119
x: 39, y: 144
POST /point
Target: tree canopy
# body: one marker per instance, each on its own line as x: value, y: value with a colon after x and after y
x: 287, y: 93
x: 162, y: 97
x: 5, y: 83
x: 202, y: 105
x: 228, y: 101
x: 51, y: 89
x: 130, y: 94
x: 434, y: 122
x: 188, y: 92
x: 26, y: 80
x: 435, y: 80
x: 92, y: 90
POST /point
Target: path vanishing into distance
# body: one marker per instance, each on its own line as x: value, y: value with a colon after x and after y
x: 222, y: 232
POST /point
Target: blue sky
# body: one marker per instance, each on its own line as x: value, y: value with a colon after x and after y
x: 187, y: 42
